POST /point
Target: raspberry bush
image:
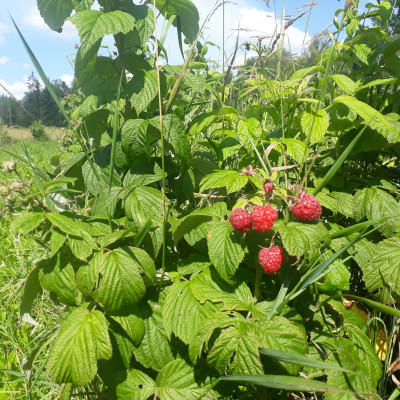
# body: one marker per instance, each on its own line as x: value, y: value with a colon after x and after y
x: 194, y: 244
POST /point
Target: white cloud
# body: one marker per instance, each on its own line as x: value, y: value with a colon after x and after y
x: 17, y: 89
x: 68, y: 79
x: 4, y: 29
x: 4, y: 60
x: 26, y: 66
x: 32, y: 17
x: 256, y: 23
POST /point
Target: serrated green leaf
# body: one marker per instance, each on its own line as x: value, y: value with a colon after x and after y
x: 375, y: 203
x: 381, y: 272
x: 366, y: 355
x: 154, y: 350
x: 187, y: 13
x: 203, y: 121
x: 26, y: 222
x: 93, y: 25
x: 83, y: 339
x: 232, y: 180
x: 282, y: 334
x: 182, y: 313
x: 143, y: 88
x: 82, y: 247
x: 132, y: 325
x: 196, y: 218
x: 134, y: 139
x: 345, y: 83
x: 224, y: 249
x: 58, y: 275
x: 179, y: 381
x: 293, y: 148
x: 203, y: 333
x: 120, y: 283
x: 302, y: 239
x: 376, y: 82
x: 208, y: 286
x: 315, y: 124
x: 175, y: 135
x: 338, y: 202
x: 142, y: 203
x: 362, y: 51
x: 55, y: 12
x: 65, y: 224
x: 371, y: 116
x: 137, y: 386
x: 236, y: 348
x: 249, y: 130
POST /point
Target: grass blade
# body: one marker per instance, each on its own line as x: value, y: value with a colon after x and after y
x: 115, y: 133
x: 41, y: 73
x: 298, y: 359
x: 289, y: 383
x: 383, y: 308
x: 338, y: 163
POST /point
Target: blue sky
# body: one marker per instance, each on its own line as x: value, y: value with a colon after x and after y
x: 56, y: 51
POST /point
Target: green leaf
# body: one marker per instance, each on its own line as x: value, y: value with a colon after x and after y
x: 58, y: 275
x: 289, y: 383
x: 203, y: 333
x: 55, y: 12
x: 121, y: 284
x: 93, y: 25
x: 82, y: 247
x: 315, y: 124
x: 293, y: 148
x: 249, y: 130
x: 236, y: 348
x: 143, y: 88
x: 371, y: 116
x: 32, y: 289
x: 135, y: 143
x: 182, y: 313
x: 83, y: 339
x: 347, y: 357
x: 209, y: 286
x: 381, y: 272
x: 302, y: 239
x: 338, y: 202
x: 282, y: 334
x: 376, y: 82
x: 196, y: 218
x: 203, y: 121
x: 132, y: 325
x: 362, y: 51
x: 224, y: 249
x: 375, y: 203
x: 26, y: 222
x: 337, y: 280
x: 154, y: 350
x: 232, y: 180
x: 368, y: 360
x: 175, y: 135
x: 65, y: 224
x: 187, y: 13
x: 345, y: 83
x: 137, y: 386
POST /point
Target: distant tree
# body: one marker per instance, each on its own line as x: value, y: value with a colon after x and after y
x: 10, y: 110
x: 40, y: 105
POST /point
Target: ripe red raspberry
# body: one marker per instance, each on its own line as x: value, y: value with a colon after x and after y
x: 307, y: 209
x: 240, y: 220
x: 263, y: 218
x: 268, y: 187
x: 271, y: 259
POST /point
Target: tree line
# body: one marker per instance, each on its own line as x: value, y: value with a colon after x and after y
x: 36, y: 104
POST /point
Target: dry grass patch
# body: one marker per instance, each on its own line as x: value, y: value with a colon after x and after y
x: 18, y: 133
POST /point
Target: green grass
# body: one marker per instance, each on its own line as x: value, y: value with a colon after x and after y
x: 18, y: 256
